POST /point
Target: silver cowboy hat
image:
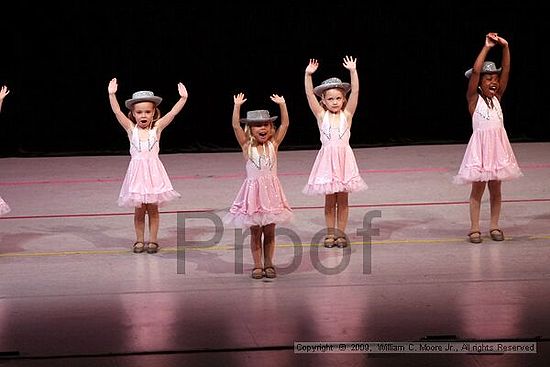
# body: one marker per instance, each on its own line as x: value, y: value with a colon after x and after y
x: 330, y: 84
x: 143, y: 96
x: 258, y: 117
x: 488, y: 67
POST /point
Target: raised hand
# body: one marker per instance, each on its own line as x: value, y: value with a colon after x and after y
x: 277, y: 99
x: 182, y: 90
x: 239, y: 99
x: 312, y: 67
x: 501, y: 41
x: 4, y: 91
x: 113, y: 86
x: 491, y: 39
x: 350, y: 63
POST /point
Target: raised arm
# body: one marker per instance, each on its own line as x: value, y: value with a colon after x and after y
x: 4, y: 91
x: 169, y: 117
x: 505, y: 73
x: 123, y: 120
x: 238, y: 100
x: 314, y: 105
x: 471, y: 93
x: 350, y: 63
x: 281, y: 131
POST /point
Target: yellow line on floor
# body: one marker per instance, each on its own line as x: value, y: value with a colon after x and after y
x: 539, y: 237
x: 173, y: 249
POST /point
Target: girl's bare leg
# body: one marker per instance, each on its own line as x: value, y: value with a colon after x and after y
x: 495, y: 198
x: 330, y: 213
x: 475, y: 205
x: 269, y: 244
x: 342, y: 212
x: 139, y: 223
x: 154, y: 221
x: 256, y: 245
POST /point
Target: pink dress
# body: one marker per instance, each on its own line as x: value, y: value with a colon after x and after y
x: 489, y: 155
x: 335, y: 168
x: 4, y: 208
x: 146, y: 180
x: 260, y: 200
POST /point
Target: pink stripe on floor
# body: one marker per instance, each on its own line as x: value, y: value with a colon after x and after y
x: 87, y: 215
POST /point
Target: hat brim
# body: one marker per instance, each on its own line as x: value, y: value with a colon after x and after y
x: 468, y: 72
x: 130, y: 102
x: 320, y: 89
x: 259, y: 121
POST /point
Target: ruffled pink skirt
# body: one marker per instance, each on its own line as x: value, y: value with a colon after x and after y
x: 260, y: 201
x: 334, y: 170
x: 146, y: 182
x: 489, y: 156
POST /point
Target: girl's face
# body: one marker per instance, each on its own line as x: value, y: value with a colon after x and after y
x: 489, y: 84
x: 143, y: 112
x: 262, y: 132
x: 334, y: 99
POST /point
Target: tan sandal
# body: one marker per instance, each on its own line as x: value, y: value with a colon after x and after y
x: 496, y: 234
x: 152, y: 247
x: 475, y: 237
x: 138, y: 247
x: 329, y: 241
x: 257, y: 273
x: 342, y: 242
x: 270, y: 272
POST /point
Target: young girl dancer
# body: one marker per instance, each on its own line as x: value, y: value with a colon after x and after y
x: 335, y: 173
x: 489, y: 158
x: 261, y: 202
x: 146, y: 185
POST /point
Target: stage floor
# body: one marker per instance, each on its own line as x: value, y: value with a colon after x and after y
x: 73, y: 294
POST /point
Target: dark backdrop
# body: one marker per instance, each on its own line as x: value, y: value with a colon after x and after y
x: 57, y: 60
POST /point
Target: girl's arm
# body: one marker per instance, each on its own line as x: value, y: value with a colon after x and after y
x: 123, y: 120
x: 281, y: 131
x: 471, y: 92
x: 169, y: 117
x: 238, y: 100
x: 314, y: 104
x: 350, y: 63
x: 505, y: 73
